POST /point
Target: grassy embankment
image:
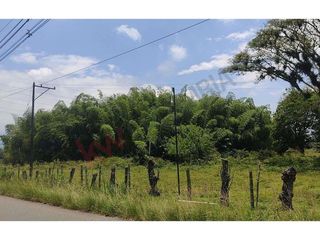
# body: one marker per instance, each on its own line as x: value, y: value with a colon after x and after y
x: 138, y: 205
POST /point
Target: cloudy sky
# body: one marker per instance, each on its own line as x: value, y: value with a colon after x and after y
x: 191, y: 58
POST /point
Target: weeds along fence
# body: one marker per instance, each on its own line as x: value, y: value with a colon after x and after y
x: 215, y: 185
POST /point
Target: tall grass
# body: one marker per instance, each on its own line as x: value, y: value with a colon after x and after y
x: 138, y: 205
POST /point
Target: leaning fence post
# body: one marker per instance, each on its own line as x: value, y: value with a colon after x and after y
x: 258, y: 184
x: 251, y: 190
x: 225, y: 183
x: 93, y: 180
x: 71, y: 175
x: 113, y: 176
x: 127, y: 177
x: 288, y: 178
x: 18, y: 172
x: 188, y: 183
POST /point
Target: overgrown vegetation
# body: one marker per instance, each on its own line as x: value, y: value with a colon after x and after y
x: 143, y: 121
x: 138, y: 205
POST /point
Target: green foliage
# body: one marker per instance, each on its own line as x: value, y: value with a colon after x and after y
x: 194, y: 143
x: 107, y: 130
x: 295, y: 123
x: 145, y: 117
x: 139, y: 135
x: 153, y: 134
x: 286, y: 50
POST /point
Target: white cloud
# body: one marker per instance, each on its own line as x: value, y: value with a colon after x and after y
x: 62, y: 64
x: 28, y: 57
x: 218, y: 61
x: 242, y: 35
x: 167, y: 67
x: 111, y: 67
x: 131, y: 32
x: 51, y: 66
x: 241, y: 47
x: 178, y: 53
x: 40, y: 73
x: 216, y: 39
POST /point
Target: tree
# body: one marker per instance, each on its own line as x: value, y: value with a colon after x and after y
x: 294, y: 123
x: 106, y: 130
x: 139, y: 135
x: 153, y: 134
x: 195, y: 143
x: 284, y: 49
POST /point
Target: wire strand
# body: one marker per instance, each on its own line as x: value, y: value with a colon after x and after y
x: 5, y: 26
x: 128, y: 51
x: 22, y: 40
x: 14, y: 33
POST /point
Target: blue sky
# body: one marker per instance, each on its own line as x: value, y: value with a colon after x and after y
x: 192, y: 57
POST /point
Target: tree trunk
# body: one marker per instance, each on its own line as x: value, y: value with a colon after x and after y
x: 288, y: 178
x: 153, y: 179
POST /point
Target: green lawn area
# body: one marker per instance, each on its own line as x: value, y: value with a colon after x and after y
x: 138, y: 205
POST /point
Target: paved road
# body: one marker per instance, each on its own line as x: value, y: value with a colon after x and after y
x: 12, y: 209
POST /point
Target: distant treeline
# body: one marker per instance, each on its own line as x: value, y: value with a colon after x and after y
x: 144, y: 122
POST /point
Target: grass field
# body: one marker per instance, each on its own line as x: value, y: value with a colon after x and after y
x: 138, y: 205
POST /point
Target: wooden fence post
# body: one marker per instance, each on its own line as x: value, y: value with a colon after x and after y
x: 93, y: 180
x: 113, y: 176
x: 19, y: 172
x: 225, y: 183
x: 37, y: 174
x: 81, y: 175
x: 251, y: 190
x: 188, y: 183
x: 288, y: 178
x: 258, y: 184
x: 99, y: 177
x: 71, y: 175
x: 127, y: 177
x: 86, y: 175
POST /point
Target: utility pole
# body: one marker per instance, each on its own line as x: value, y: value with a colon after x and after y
x: 32, y: 122
x: 176, y: 135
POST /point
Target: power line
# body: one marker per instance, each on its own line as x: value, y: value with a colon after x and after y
x: 16, y: 92
x: 29, y: 33
x: 115, y: 56
x: 129, y: 51
x: 5, y: 26
x: 10, y: 31
x: 14, y: 33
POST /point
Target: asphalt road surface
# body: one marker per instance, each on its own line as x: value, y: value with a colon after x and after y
x: 12, y: 209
